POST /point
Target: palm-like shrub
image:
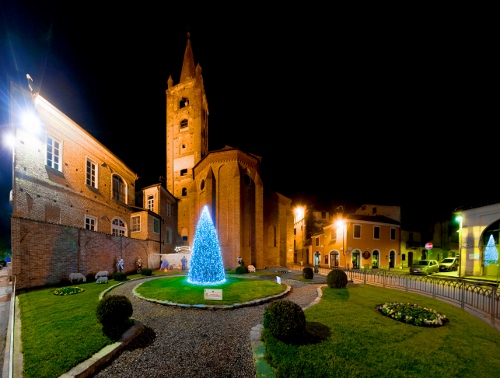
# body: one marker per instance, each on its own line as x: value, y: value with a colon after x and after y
x: 336, y: 279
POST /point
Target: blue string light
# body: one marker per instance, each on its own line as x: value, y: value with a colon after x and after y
x: 206, y: 266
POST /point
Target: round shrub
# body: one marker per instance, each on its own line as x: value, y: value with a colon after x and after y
x: 113, y: 312
x: 241, y: 269
x: 90, y: 277
x: 119, y: 276
x: 285, y: 320
x: 336, y: 279
x: 146, y: 272
x: 114, y: 309
x: 307, y: 273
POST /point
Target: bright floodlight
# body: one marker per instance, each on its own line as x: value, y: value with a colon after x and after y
x: 31, y: 123
x: 206, y: 266
x: 299, y: 213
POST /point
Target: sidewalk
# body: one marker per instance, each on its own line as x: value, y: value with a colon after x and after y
x: 5, y: 296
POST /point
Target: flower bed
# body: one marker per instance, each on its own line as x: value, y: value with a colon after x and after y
x: 68, y: 290
x: 413, y: 314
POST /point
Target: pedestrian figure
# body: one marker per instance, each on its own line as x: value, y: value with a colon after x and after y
x: 184, y: 261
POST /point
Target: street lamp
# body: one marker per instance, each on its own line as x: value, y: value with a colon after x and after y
x: 341, y: 226
x: 459, y: 219
x: 299, y: 213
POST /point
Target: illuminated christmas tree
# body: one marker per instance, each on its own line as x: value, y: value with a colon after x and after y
x: 491, y: 253
x: 206, y: 267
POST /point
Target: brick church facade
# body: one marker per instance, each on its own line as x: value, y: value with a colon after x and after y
x: 74, y: 205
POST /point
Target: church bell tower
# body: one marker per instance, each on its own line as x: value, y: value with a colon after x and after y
x: 187, y: 134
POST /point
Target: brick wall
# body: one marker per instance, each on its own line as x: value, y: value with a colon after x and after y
x: 44, y: 253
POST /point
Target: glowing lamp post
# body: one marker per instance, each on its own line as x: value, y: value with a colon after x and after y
x: 340, y: 224
x: 459, y: 219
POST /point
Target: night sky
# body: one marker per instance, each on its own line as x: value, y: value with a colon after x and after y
x: 345, y: 106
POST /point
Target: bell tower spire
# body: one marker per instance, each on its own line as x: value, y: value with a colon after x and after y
x: 188, y: 68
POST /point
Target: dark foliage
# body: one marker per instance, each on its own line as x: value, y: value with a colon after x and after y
x: 336, y: 279
x: 241, y: 269
x: 146, y: 272
x: 285, y: 320
x: 114, y: 309
x: 119, y: 276
x: 307, y: 273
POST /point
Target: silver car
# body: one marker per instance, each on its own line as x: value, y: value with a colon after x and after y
x: 448, y: 264
x: 424, y: 267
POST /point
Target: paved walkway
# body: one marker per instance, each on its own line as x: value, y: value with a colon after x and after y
x: 5, y: 296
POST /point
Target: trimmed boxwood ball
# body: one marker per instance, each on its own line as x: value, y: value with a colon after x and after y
x: 114, y: 309
x: 146, y: 272
x: 114, y: 312
x: 336, y: 279
x: 307, y: 273
x: 285, y: 320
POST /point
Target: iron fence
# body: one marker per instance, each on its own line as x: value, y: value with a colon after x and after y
x: 479, y: 296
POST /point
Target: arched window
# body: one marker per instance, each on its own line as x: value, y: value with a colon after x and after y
x: 118, y: 227
x: 119, y: 189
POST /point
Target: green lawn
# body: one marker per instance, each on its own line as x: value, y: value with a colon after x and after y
x: 346, y: 336
x: 59, y: 332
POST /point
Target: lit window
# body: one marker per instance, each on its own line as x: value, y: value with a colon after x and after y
x: 118, y: 189
x: 90, y: 223
x: 118, y: 227
x: 151, y: 203
x: 156, y: 225
x: 376, y: 232
x: 54, y: 153
x: 135, y: 223
x: 91, y: 174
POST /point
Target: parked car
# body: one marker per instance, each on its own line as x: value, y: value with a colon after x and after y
x: 448, y: 264
x: 425, y: 267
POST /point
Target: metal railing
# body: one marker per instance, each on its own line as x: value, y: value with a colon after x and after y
x: 479, y: 296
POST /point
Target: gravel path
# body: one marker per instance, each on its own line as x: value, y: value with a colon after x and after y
x: 187, y: 342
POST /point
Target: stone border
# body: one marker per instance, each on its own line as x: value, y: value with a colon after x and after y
x: 201, y: 306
